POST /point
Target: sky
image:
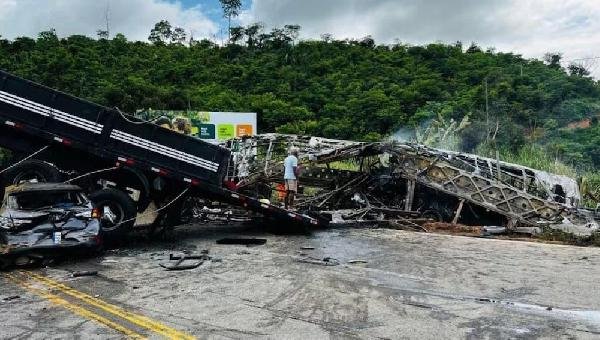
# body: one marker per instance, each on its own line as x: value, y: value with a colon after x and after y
x: 527, y: 27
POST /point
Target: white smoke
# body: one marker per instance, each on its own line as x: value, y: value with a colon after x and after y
x: 438, y: 133
x: 404, y: 135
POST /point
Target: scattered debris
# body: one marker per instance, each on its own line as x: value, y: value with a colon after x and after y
x: 188, y: 257
x: 198, y: 210
x: 307, y: 248
x: 528, y: 230
x: 10, y: 298
x: 180, y: 260
x: 243, y: 241
x: 85, y: 273
x: 357, y: 261
x: 493, y: 230
x: 327, y: 261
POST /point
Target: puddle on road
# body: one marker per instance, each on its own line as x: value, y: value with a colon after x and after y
x: 341, y: 247
x: 591, y: 317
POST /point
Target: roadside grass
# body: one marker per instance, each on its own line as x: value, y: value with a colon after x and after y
x: 589, y: 185
x: 532, y: 156
x: 553, y: 235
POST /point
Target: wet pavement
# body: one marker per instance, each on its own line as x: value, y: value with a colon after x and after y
x: 387, y: 284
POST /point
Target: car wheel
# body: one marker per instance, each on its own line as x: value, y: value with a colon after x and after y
x: 118, y: 212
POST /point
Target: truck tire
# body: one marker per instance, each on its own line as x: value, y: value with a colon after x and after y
x: 28, y: 171
x: 116, y: 207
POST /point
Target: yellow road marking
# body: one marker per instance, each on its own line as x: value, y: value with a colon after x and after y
x: 75, y: 308
x: 136, y: 319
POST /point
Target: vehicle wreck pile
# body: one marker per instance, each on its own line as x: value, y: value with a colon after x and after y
x: 131, y: 169
x: 403, y: 183
x: 381, y: 184
x: 38, y: 219
x: 348, y: 184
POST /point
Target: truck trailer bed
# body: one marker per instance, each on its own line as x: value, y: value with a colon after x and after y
x: 32, y: 115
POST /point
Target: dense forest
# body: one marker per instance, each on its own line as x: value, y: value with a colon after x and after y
x: 349, y: 89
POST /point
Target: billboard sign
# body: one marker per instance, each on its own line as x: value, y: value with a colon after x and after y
x: 211, y: 126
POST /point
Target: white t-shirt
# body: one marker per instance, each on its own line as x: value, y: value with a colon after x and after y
x: 289, y: 163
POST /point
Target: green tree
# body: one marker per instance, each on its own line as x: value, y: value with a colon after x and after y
x: 553, y: 60
x: 252, y: 32
x: 231, y: 8
x: 237, y: 34
x: 178, y: 36
x: 161, y: 33
x: 578, y: 70
x: 102, y: 34
x: 292, y: 31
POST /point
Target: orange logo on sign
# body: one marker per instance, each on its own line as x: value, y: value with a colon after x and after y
x: 244, y: 130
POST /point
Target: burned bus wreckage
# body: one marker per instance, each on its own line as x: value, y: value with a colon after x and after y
x: 351, y: 183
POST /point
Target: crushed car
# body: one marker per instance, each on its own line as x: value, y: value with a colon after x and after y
x: 42, y: 221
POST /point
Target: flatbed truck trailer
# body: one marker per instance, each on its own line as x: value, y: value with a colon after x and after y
x: 126, y: 163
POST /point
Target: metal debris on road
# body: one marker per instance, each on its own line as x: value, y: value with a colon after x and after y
x: 10, y: 298
x: 243, y: 241
x: 357, y: 261
x: 180, y: 260
x: 327, y: 261
x: 85, y: 273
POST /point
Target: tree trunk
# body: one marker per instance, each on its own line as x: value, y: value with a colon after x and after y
x: 229, y: 29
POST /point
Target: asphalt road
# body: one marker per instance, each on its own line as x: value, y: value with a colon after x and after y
x: 388, y: 285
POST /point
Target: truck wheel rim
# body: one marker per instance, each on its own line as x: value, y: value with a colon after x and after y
x: 110, y: 223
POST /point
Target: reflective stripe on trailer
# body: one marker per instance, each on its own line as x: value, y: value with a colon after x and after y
x: 163, y: 150
x: 47, y: 111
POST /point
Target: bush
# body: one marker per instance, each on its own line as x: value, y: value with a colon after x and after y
x: 532, y: 156
x: 590, y: 189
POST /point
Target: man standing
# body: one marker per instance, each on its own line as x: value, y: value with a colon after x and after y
x: 290, y: 177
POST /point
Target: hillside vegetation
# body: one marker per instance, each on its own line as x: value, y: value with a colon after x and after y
x: 351, y: 89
